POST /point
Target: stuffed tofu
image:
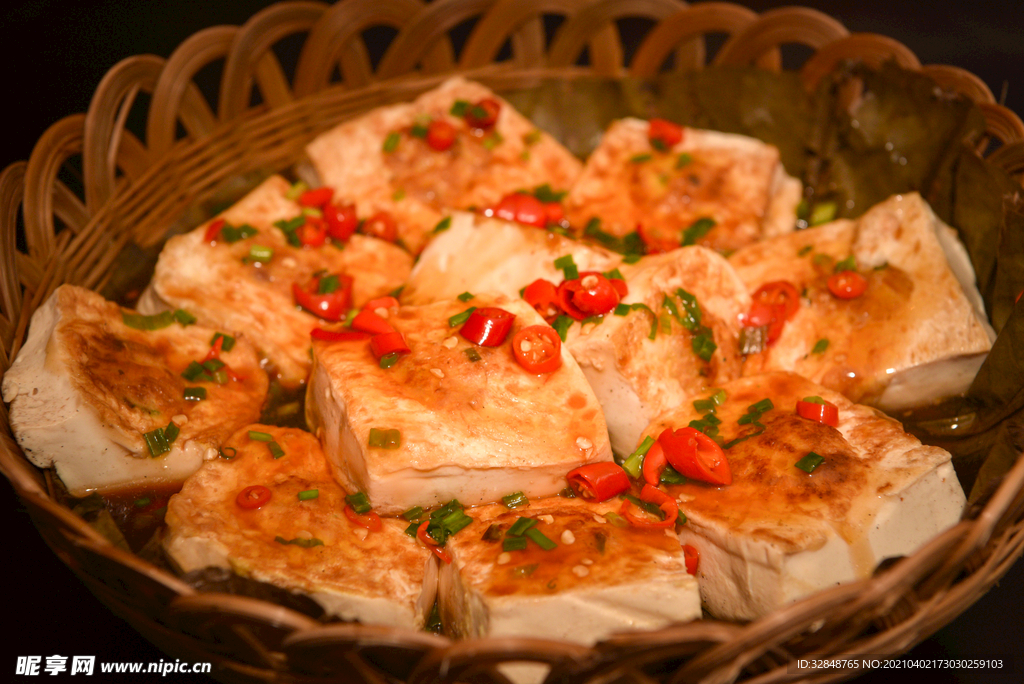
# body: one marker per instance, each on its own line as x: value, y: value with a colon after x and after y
x: 273, y: 270
x: 268, y: 509
x: 455, y: 147
x: 560, y: 569
x: 683, y: 186
x: 114, y: 400
x: 466, y: 400
x: 806, y: 491
x: 883, y: 309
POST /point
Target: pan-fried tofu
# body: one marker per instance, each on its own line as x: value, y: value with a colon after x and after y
x: 598, y: 579
x: 778, y: 532
x: 299, y: 539
x: 384, y: 160
x: 916, y: 335
x: 477, y: 254
x: 469, y: 423
x: 225, y: 287
x: 107, y: 404
x: 736, y: 182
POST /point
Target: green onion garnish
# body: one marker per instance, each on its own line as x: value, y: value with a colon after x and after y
x: 704, y: 345
x: 154, y: 322
x: 385, y: 439
x: 227, y: 453
x: 683, y: 159
x: 391, y: 141
x: 328, y: 284
x: 359, y: 502
x: 228, y: 343
x: 814, y: 400
x: 515, y: 500
x: 184, y: 317
x: 493, y: 533
x: 389, y: 360
x: 232, y: 234
x: 622, y: 309
x: 805, y: 250
x: 671, y: 476
x: 465, y: 296
x: 809, y: 462
x: 635, y: 461
x: 823, y: 212
x: 538, y: 537
x: 532, y: 138
x: 296, y: 189
x: 493, y: 140
x: 455, y: 521
x: 443, y: 225
x: 545, y: 194
x: 275, y: 449
x: 562, y: 325
x: 256, y: 436
x: 309, y: 494
x: 304, y: 543
x: 460, y: 318
x: 143, y: 502
x: 195, y: 393
x: 472, y: 354
x: 414, y: 513
x: 459, y: 108
x: 847, y: 264
x: 261, y: 254
x: 697, y: 230
x: 567, y: 266
x: 616, y: 519
x: 513, y: 544
x: 418, y: 130
x: 520, y: 526
x: 704, y: 405
x: 640, y: 158
x: 762, y: 406
x: 524, y: 570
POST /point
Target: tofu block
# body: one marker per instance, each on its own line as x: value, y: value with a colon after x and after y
x: 600, y: 579
x: 225, y: 288
x: 469, y: 430
x: 637, y: 378
x: 778, y: 533
x: 478, y: 254
x: 918, y: 334
x: 305, y: 545
x: 403, y: 175
x: 736, y: 181
x: 86, y: 389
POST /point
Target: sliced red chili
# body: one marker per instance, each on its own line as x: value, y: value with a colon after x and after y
x: 370, y: 520
x: 691, y: 556
x: 659, y: 498
x: 538, y: 349
x: 213, y: 230
x: 695, y: 455
x: 826, y: 413
x: 312, y: 233
x: 592, y: 294
x: 338, y: 335
x: 388, y: 302
x: 554, y: 213
x: 847, y: 284
x: 779, y: 292
x: 252, y: 497
x: 654, y: 464
x: 368, y: 321
x: 542, y: 295
x: 430, y: 543
x: 598, y: 481
x: 341, y: 221
x: 654, y: 244
x: 522, y: 208
x: 388, y: 343
x: 664, y: 134
x: 440, y: 135
x: 381, y: 225
x: 316, y: 197
x: 488, y: 326
x: 214, y: 353
x: 331, y: 306
x: 483, y: 114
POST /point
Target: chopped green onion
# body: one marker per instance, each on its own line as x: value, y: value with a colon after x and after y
x: 683, y: 159
x: 671, y: 476
x: 359, y: 502
x: 622, y: 309
x: 847, y: 264
x: 328, y: 284
x: 814, y: 400
x: 520, y: 526
x: 567, y: 493
x: 524, y: 570
x: 472, y: 354
x: 143, y: 502
x: 805, y: 250
x: 184, y: 317
x: 562, y: 325
x: 389, y: 360
x: 659, y: 144
x: 413, y: 528
x: 545, y: 194
x: 538, y: 537
x: 296, y: 189
x: 460, y: 318
x: 809, y: 462
x: 753, y: 340
x: 640, y: 158
x: 228, y: 343
x: 256, y: 436
x: 718, y: 396
x: 418, y: 130
x: 459, y: 108
x: 385, y: 439
x: 479, y: 112
x: 493, y: 140
x: 567, y: 266
x: 762, y: 406
x: 261, y: 254
x: 697, y: 230
x: 820, y: 346
x: 309, y: 494
x: 823, y: 212
x: 704, y: 405
x: 213, y: 365
x: 616, y: 519
x: 227, y: 453
x: 312, y: 212
x: 195, y: 393
x: 513, y: 544
x: 596, y: 320
x: 614, y: 274
x: 391, y: 141
x: 532, y: 138
x: 456, y: 521
x: 414, y: 513
x: 651, y: 508
x: 232, y: 234
x: 465, y: 296
x: 154, y: 322
x: 635, y: 461
x: 515, y: 500
x: 443, y: 225
x: 298, y: 541
x: 704, y: 345
x: 275, y: 449
x: 158, y: 442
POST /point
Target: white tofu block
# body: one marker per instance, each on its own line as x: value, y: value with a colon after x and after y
x: 470, y: 430
x: 418, y: 184
x: 226, y: 289
x: 917, y: 335
x: 778, y: 533
x: 85, y: 388
x: 380, y: 577
x: 736, y: 181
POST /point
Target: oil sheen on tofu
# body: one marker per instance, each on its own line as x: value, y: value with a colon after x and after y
x: 917, y: 335
x: 225, y: 288
x: 296, y: 540
x: 86, y: 388
x: 472, y: 430
x: 416, y: 183
x: 778, y: 533
x: 736, y: 181
x: 599, y: 579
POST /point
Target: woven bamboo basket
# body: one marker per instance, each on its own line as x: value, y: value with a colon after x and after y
x: 132, y: 191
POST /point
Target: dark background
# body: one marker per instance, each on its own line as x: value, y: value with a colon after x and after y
x: 53, y: 54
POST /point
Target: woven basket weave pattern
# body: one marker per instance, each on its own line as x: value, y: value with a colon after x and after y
x: 132, y: 190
